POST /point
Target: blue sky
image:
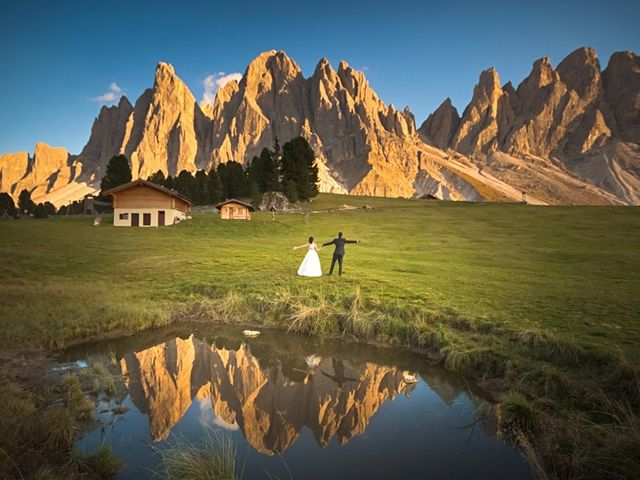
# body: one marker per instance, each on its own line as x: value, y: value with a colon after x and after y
x: 57, y: 57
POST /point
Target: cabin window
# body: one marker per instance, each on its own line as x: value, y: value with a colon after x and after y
x: 124, y: 216
x: 146, y: 219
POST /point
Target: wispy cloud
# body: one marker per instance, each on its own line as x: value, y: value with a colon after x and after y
x: 215, y: 81
x: 113, y: 94
x: 364, y: 69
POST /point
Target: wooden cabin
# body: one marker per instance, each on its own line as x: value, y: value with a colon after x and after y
x: 144, y: 204
x: 233, y: 209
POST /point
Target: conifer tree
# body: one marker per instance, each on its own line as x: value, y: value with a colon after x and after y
x: 214, y: 186
x: 118, y: 173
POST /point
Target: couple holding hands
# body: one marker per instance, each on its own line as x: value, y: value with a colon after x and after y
x: 310, y: 266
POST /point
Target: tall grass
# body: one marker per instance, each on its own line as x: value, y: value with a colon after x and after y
x: 213, y: 458
x: 38, y: 434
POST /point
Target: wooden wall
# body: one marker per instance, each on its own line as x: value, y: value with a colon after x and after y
x: 144, y: 197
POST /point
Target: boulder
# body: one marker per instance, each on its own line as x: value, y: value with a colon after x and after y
x: 274, y: 202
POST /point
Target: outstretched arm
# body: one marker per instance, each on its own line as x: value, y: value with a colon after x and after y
x: 300, y: 246
x: 332, y: 242
x: 352, y: 241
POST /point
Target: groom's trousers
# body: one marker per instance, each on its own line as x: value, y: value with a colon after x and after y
x: 336, y: 257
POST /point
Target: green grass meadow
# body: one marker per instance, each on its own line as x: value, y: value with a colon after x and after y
x: 572, y: 271
x: 540, y: 303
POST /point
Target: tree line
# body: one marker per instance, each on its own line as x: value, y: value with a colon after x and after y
x: 291, y: 170
x: 25, y: 206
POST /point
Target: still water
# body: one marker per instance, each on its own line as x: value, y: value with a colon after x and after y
x: 297, y: 407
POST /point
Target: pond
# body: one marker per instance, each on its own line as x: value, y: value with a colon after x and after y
x: 296, y: 407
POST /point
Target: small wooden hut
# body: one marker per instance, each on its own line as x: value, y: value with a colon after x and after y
x: 233, y: 209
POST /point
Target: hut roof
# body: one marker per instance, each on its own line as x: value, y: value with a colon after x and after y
x: 145, y: 183
x: 233, y: 200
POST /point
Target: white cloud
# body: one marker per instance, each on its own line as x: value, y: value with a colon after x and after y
x: 215, y: 81
x: 110, y: 96
x: 209, y: 419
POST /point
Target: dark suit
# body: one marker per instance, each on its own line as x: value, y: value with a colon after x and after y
x: 338, y: 253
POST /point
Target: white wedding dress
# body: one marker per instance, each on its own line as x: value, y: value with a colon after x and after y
x: 310, y: 266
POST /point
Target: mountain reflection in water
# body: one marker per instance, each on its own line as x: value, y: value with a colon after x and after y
x: 270, y: 394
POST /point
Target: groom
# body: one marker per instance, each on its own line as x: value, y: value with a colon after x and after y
x: 338, y: 253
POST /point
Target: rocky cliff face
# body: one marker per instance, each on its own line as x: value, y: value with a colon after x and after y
x: 440, y: 127
x: 565, y: 135
x: 48, y: 169
x: 107, y: 138
x: 168, y: 130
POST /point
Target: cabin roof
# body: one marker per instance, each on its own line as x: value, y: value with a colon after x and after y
x: 233, y: 200
x: 145, y: 183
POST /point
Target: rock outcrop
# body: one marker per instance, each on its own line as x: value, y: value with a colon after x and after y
x: 274, y: 202
x: 440, y: 127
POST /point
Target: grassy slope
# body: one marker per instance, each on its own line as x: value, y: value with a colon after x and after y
x: 570, y: 270
x: 539, y: 301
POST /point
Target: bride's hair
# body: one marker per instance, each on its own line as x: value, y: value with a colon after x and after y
x: 310, y: 239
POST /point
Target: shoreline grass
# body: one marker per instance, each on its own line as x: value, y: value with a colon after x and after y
x: 539, y: 303
x: 213, y: 458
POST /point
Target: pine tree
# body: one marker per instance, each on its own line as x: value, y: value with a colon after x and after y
x: 7, y: 206
x: 255, y: 171
x: 158, y: 178
x: 291, y: 191
x: 185, y: 184
x: 201, y: 190
x: 256, y: 196
x: 214, y: 186
x: 299, y: 167
x: 25, y: 204
x: 43, y: 210
x: 277, y: 158
x: 118, y: 173
x: 270, y: 171
x: 234, y: 179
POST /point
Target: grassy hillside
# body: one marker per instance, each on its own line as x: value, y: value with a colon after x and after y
x: 567, y: 270
x: 540, y: 303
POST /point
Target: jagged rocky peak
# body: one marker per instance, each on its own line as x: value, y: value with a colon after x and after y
x: 164, y: 73
x: 580, y: 71
x: 324, y: 71
x: 621, y: 81
x: 107, y: 135
x: 542, y: 74
x: 489, y: 82
x: 440, y: 127
x: 272, y: 69
x: 478, y: 130
x: 168, y: 130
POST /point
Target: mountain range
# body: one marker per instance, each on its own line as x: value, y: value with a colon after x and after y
x: 564, y: 135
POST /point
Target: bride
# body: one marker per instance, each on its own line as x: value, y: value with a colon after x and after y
x: 310, y: 266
